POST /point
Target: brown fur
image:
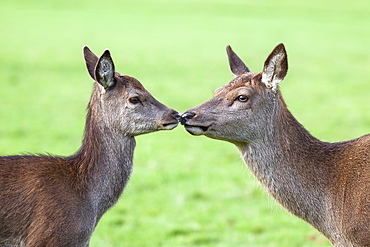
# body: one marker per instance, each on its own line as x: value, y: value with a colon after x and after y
x: 325, y: 184
x: 58, y: 201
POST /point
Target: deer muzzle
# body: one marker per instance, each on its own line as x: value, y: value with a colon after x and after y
x: 172, y: 122
x: 192, y: 128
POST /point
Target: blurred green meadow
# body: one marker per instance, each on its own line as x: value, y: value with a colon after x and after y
x: 185, y: 190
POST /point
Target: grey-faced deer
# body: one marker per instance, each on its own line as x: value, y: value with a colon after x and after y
x: 58, y: 201
x: 325, y: 184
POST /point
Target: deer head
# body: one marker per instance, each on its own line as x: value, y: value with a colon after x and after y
x: 123, y: 102
x: 242, y: 110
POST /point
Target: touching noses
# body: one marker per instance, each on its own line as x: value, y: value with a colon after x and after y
x: 186, y: 116
x: 176, y: 115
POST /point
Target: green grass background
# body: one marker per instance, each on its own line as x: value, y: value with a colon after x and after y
x: 185, y: 190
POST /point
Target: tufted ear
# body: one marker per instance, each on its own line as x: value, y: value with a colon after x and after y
x: 104, y: 70
x: 236, y: 64
x: 275, y: 68
x: 90, y: 59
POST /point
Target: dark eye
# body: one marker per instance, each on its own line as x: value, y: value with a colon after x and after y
x: 242, y: 98
x: 134, y: 100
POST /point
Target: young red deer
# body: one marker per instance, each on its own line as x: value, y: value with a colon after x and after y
x: 325, y: 184
x: 58, y: 201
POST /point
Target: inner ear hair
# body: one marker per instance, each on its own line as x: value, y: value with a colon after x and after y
x: 104, y: 71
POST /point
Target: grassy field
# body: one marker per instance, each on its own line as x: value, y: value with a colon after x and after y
x: 185, y: 190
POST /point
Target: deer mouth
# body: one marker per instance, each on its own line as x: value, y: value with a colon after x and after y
x: 169, y: 126
x: 196, y: 129
x: 172, y: 122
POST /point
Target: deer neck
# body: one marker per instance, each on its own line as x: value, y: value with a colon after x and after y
x: 289, y: 163
x: 104, y: 163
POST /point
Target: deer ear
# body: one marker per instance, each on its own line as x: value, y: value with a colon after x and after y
x: 275, y: 68
x: 104, y: 70
x: 91, y: 59
x: 236, y: 64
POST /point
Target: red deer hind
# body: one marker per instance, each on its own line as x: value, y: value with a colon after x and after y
x: 58, y: 201
x: 325, y: 184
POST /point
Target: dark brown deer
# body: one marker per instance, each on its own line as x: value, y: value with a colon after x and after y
x: 58, y: 201
x: 325, y: 184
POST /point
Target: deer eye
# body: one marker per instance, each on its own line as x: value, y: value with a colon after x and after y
x: 134, y: 100
x: 242, y: 98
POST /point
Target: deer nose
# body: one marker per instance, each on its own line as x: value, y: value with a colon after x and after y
x: 176, y: 115
x: 186, y: 116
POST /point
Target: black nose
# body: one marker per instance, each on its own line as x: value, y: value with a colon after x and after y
x: 186, y: 116
x: 176, y: 115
